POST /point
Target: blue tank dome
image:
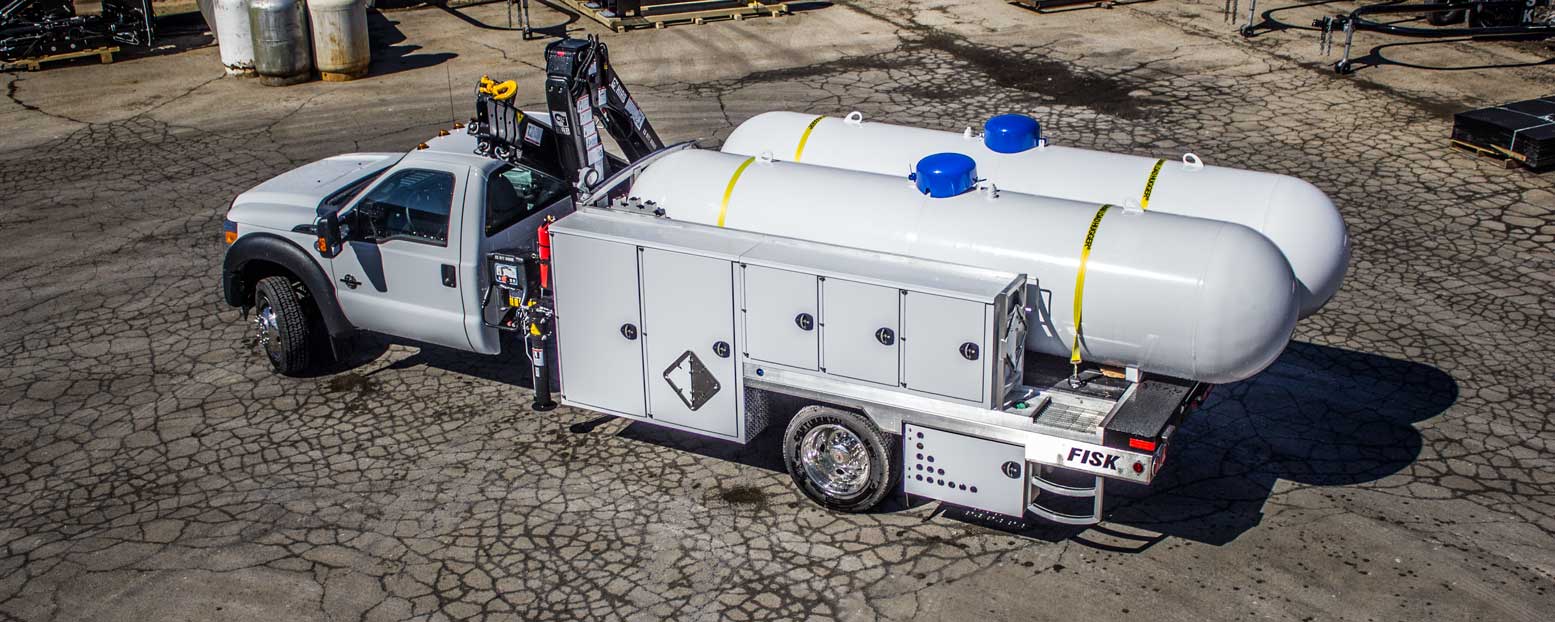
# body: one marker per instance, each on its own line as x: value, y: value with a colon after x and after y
x: 1011, y: 133
x: 943, y: 175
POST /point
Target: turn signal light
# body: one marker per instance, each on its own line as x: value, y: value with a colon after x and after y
x: 321, y: 244
x: 229, y: 231
x: 1141, y: 444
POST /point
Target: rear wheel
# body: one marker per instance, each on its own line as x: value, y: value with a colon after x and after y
x: 840, y: 459
x: 281, y: 326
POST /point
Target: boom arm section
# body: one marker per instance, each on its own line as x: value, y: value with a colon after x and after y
x: 584, y: 97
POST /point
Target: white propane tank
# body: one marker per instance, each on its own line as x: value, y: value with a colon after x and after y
x: 1292, y: 213
x: 340, y: 50
x: 233, y: 37
x: 1188, y: 297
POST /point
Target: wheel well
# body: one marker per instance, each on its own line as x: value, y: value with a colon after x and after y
x: 257, y: 270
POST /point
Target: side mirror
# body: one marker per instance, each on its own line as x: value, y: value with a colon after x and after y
x: 328, y: 229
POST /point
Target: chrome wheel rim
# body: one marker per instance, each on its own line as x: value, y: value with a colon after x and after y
x: 835, y: 459
x: 267, y: 329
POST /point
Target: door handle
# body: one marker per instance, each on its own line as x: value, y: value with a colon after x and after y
x: 448, y: 276
x: 805, y: 321
x: 351, y: 281
x: 885, y: 336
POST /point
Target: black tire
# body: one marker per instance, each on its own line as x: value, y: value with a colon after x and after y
x: 884, y: 468
x: 288, y: 348
x: 1444, y: 18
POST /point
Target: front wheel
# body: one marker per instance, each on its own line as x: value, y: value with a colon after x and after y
x: 839, y: 459
x: 281, y: 326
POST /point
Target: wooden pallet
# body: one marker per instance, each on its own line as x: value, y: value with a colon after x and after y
x: 661, y: 15
x: 103, y: 54
x: 1503, y: 158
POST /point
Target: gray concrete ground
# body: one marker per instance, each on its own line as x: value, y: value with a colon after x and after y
x: 1395, y: 464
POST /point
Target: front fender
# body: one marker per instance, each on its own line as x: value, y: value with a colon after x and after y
x: 250, y: 258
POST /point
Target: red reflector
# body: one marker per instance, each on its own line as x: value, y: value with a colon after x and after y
x: 1139, y: 467
x: 1142, y: 445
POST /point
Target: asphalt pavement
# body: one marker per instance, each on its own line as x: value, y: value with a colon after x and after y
x: 1396, y: 463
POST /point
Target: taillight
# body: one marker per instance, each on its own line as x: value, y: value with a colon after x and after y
x: 229, y: 231
x: 1141, y: 444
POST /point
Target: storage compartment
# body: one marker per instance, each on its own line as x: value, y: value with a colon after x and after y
x: 945, y: 343
x: 599, y: 341
x: 859, y: 327
x: 782, y: 317
x: 964, y: 470
x: 688, y: 331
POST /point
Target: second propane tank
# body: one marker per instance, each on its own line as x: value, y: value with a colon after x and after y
x: 340, y: 50
x: 1301, y: 221
x: 282, y: 55
x: 1188, y: 297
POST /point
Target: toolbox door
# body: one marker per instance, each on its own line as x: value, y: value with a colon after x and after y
x: 688, y: 330
x: 598, y: 323
x: 944, y: 346
x: 781, y: 317
x: 859, y: 326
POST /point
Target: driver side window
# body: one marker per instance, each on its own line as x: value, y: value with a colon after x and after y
x: 412, y: 204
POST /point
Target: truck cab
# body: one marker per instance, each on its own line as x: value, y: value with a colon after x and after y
x: 413, y: 232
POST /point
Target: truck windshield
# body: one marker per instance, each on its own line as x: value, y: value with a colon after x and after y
x: 515, y: 192
x: 341, y: 197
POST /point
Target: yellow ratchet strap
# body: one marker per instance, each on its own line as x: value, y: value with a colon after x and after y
x: 1144, y: 201
x: 1079, y: 282
x: 805, y: 137
x: 723, y: 209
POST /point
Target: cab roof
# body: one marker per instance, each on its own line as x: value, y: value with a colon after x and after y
x: 458, y: 147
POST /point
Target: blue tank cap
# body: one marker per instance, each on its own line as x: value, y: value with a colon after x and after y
x: 943, y: 175
x: 1011, y: 133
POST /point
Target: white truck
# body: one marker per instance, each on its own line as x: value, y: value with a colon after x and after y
x: 915, y: 375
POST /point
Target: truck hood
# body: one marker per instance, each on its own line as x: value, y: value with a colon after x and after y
x: 292, y: 198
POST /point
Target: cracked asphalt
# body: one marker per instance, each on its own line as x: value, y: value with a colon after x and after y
x: 1395, y: 464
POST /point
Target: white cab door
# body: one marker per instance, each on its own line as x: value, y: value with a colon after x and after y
x: 397, y: 272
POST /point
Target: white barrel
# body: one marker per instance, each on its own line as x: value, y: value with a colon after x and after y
x: 1187, y: 297
x: 340, y: 50
x: 1292, y: 213
x: 233, y: 38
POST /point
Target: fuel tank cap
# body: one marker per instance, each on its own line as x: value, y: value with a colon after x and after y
x: 943, y: 175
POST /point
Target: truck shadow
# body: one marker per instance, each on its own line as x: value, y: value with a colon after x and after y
x: 1319, y: 417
